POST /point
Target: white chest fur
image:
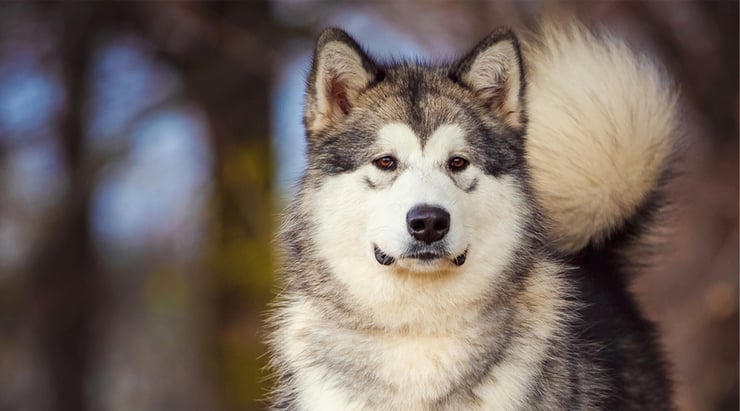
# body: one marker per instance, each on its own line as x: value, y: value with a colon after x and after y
x: 400, y: 372
x: 407, y: 371
x: 404, y: 372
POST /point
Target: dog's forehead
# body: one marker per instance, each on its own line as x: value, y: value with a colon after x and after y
x: 403, y: 139
x: 424, y: 99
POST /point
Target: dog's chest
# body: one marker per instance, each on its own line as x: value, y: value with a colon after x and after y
x: 390, y: 371
x: 426, y: 365
x: 338, y: 368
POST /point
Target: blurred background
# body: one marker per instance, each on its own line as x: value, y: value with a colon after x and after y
x: 146, y: 149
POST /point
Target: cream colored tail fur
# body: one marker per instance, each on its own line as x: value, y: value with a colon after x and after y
x: 602, y: 131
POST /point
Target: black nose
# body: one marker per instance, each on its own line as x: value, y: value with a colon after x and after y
x: 428, y: 223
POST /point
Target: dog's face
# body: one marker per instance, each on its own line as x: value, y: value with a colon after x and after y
x: 416, y: 170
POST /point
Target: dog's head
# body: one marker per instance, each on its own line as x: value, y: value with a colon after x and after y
x: 413, y: 168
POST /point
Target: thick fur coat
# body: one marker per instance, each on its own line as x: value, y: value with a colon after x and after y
x: 460, y: 237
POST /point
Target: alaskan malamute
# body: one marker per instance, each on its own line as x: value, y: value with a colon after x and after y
x: 464, y: 234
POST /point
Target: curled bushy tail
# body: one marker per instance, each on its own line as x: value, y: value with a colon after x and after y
x: 602, y: 132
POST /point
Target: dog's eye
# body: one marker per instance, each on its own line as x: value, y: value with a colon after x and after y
x: 386, y: 163
x: 457, y: 164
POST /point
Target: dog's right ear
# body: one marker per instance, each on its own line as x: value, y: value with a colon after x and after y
x: 340, y: 72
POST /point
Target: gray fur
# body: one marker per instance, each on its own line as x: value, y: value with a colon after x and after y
x: 574, y: 331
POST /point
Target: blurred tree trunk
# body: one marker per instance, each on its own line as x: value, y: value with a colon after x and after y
x: 66, y: 290
x: 227, y: 69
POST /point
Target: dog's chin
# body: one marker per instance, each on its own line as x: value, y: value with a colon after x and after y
x: 422, y: 262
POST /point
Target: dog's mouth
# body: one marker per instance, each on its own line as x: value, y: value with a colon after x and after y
x: 382, y: 257
x: 421, y: 254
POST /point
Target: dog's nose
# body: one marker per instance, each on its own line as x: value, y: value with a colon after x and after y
x: 428, y: 223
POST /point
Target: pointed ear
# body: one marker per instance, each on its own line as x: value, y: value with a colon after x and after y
x: 340, y: 72
x: 494, y: 71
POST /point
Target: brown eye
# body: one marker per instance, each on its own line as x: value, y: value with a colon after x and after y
x: 386, y: 163
x: 457, y: 164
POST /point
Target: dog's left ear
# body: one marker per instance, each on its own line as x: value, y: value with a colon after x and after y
x: 494, y: 71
